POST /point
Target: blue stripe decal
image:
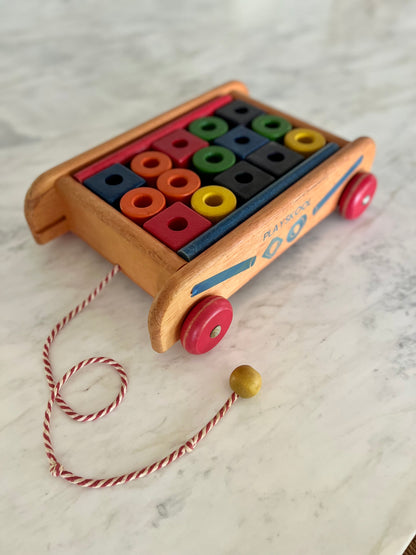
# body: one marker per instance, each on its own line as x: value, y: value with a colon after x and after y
x: 214, y: 234
x: 337, y: 185
x: 222, y: 276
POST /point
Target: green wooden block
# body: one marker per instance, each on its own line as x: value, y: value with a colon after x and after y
x: 208, y: 128
x: 272, y: 127
x: 213, y: 159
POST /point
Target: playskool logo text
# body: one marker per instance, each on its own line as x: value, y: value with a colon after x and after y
x: 288, y: 219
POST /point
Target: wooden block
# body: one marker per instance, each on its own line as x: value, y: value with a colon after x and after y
x: 241, y: 214
x: 242, y: 141
x: 180, y: 146
x: 212, y: 160
x: 305, y: 141
x: 208, y: 128
x: 113, y: 182
x: 214, y: 202
x: 271, y: 126
x: 139, y: 205
x: 178, y: 185
x: 177, y: 225
x: 238, y: 112
x: 161, y: 128
x: 275, y: 159
x: 150, y: 164
x: 244, y: 180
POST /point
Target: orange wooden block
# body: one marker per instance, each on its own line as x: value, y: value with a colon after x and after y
x: 141, y: 204
x: 178, y: 184
x: 150, y: 165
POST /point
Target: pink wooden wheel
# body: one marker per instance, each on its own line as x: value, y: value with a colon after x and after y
x: 206, y: 324
x: 357, y: 195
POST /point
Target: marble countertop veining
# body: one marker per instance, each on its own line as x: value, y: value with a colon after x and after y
x: 322, y: 461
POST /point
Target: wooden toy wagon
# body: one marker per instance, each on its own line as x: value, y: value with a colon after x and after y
x: 192, y: 204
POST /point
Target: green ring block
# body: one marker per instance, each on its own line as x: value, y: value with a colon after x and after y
x: 208, y: 128
x: 272, y: 127
x: 213, y: 159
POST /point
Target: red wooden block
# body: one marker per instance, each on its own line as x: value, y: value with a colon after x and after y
x: 177, y: 225
x: 180, y: 146
x: 124, y: 154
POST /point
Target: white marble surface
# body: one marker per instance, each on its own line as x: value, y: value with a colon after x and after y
x: 323, y: 460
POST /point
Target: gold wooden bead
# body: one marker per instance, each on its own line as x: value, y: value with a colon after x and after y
x: 245, y: 381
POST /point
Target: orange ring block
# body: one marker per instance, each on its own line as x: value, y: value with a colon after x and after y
x: 150, y: 165
x: 142, y: 203
x: 178, y: 184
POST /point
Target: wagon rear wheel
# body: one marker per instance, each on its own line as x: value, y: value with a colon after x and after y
x: 357, y: 195
x: 206, y: 324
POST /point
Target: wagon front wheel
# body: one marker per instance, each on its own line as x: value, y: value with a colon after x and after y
x: 357, y: 195
x: 206, y: 324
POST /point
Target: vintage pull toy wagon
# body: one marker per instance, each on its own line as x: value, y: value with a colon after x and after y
x: 192, y: 204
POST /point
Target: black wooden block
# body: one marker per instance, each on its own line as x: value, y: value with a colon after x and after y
x: 275, y: 158
x: 238, y: 113
x: 244, y: 180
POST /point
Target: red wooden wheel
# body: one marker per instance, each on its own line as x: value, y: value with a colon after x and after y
x: 357, y: 195
x: 206, y: 324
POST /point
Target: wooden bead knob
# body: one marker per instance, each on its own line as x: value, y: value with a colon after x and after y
x: 245, y: 381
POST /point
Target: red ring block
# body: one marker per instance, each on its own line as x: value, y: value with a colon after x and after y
x: 180, y: 146
x: 177, y: 225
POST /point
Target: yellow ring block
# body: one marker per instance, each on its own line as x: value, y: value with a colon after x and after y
x: 305, y: 141
x: 213, y: 202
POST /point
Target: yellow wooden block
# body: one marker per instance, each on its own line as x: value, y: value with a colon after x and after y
x: 305, y: 141
x: 213, y: 202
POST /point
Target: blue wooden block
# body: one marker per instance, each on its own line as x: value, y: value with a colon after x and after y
x: 242, y: 141
x: 244, y: 180
x: 198, y: 245
x: 275, y: 158
x: 111, y: 183
x: 238, y: 112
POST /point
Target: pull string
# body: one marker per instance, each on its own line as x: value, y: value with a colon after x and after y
x: 48, y: 366
x: 241, y: 381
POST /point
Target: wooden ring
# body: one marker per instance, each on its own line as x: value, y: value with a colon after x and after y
x: 178, y: 185
x: 141, y: 204
x: 305, y: 141
x: 150, y: 165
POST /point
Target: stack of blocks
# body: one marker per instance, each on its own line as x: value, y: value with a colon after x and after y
x: 206, y: 172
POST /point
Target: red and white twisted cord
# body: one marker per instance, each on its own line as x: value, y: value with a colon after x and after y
x: 56, y: 468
